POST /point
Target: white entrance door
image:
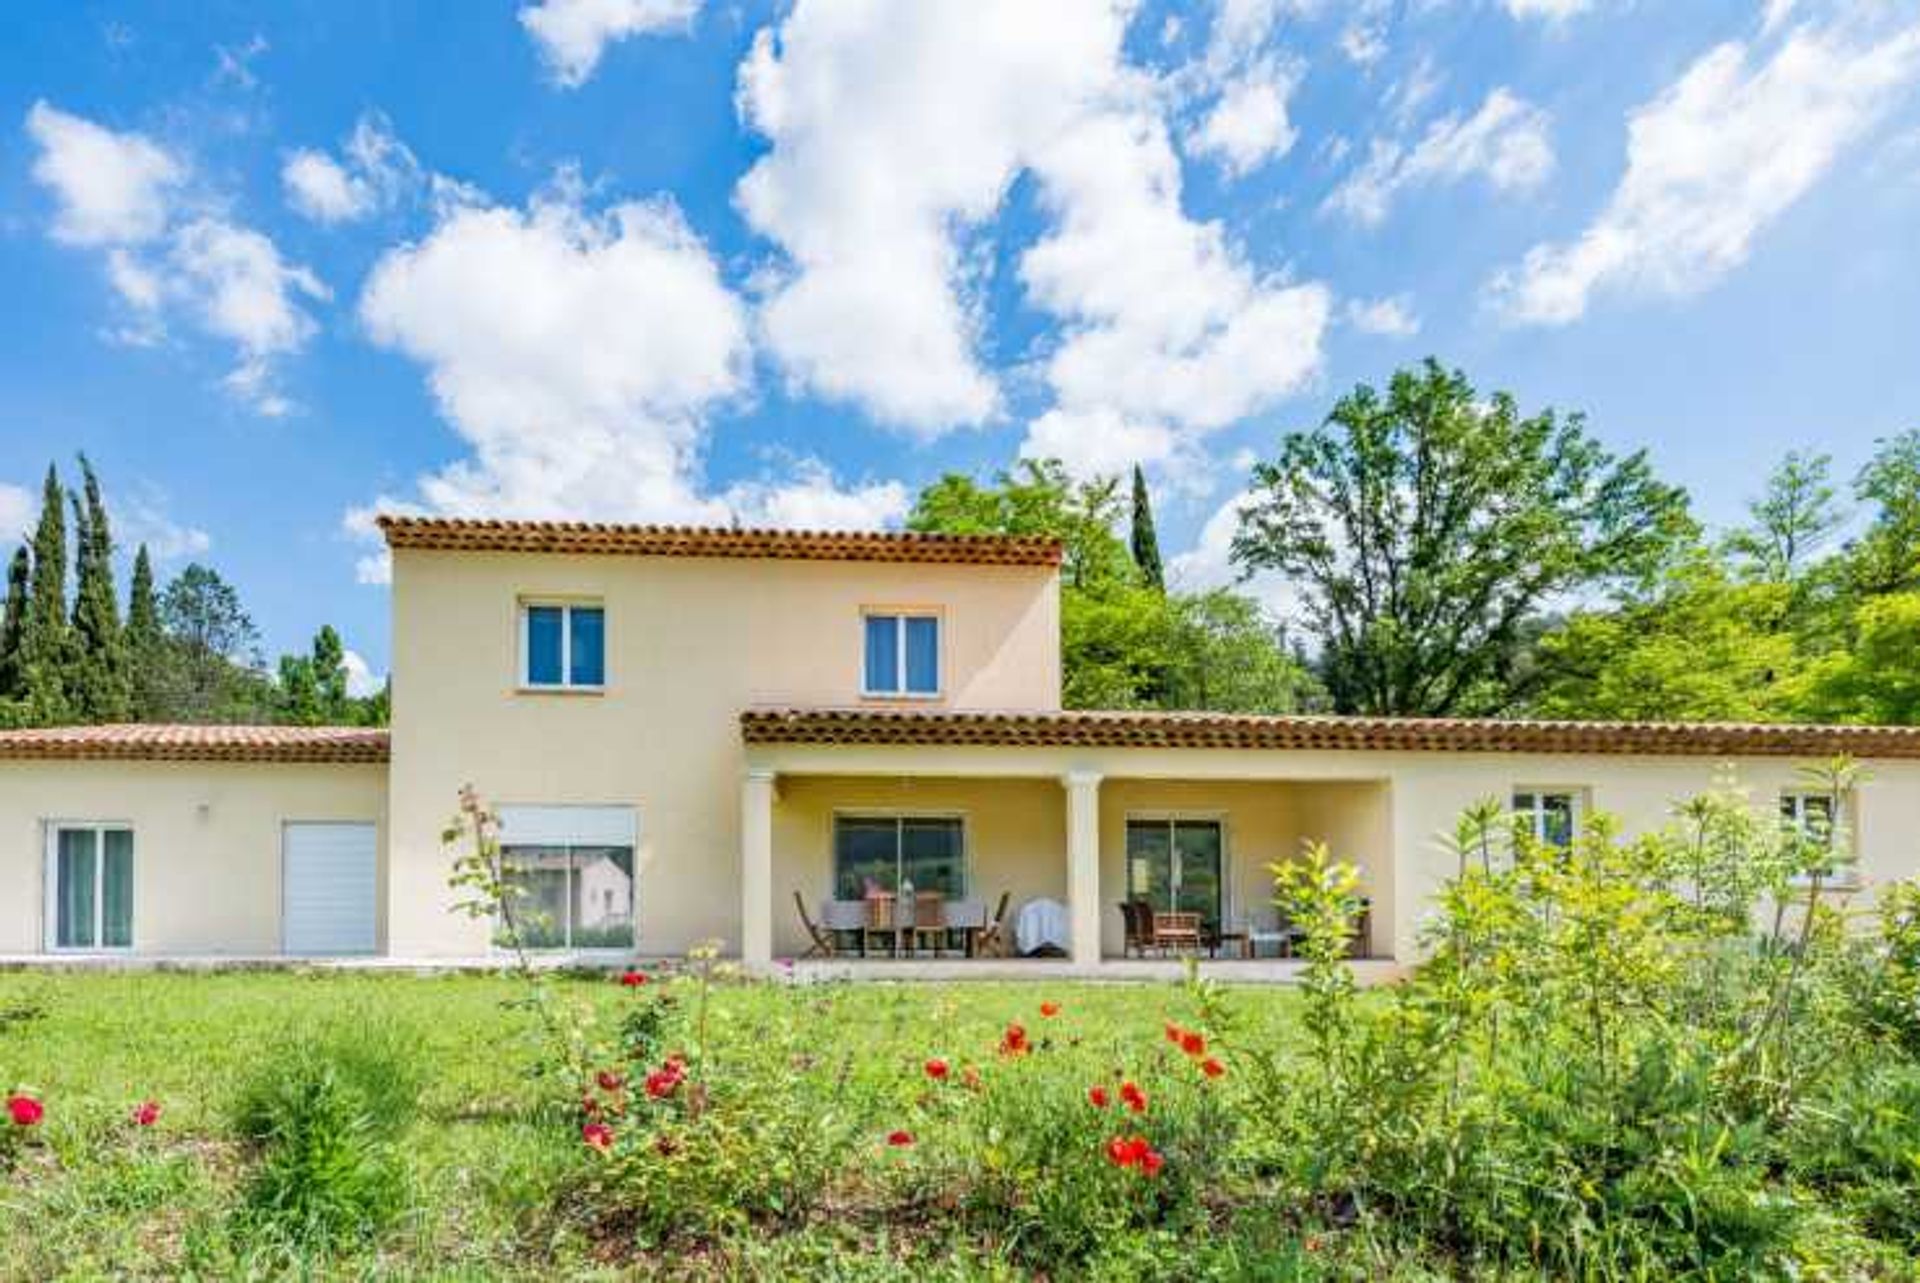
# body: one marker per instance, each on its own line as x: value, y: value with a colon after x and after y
x: 330, y: 875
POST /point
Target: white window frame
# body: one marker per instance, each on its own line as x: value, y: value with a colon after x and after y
x: 1846, y: 872
x: 51, y: 878
x: 900, y: 615
x: 1536, y: 816
x: 566, y: 606
x: 899, y: 818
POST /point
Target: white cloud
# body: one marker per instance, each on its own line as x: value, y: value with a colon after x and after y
x: 1713, y: 160
x: 362, y: 681
x: 19, y: 511
x: 164, y: 251
x: 377, y: 168
x: 578, y: 354
x: 139, y: 515
x: 1098, y: 441
x: 1505, y: 142
x: 896, y: 131
x: 1364, y: 43
x: 572, y: 34
x: 1248, y: 124
x: 1209, y: 563
x: 1392, y: 318
x: 1551, y: 10
x: 112, y: 188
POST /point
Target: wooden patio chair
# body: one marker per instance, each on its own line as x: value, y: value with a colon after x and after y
x: 882, y: 921
x: 1177, y: 931
x: 845, y: 919
x: 929, y: 925
x: 822, y: 946
x: 993, y: 940
x: 1141, y: 913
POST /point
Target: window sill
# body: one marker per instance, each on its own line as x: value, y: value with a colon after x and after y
x: 560, y: 690
x: 902, y: 697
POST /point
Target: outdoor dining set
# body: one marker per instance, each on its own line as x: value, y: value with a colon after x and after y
x: 905, y: 925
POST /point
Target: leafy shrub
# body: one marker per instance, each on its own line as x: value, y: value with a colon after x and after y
x: 322, y: 1116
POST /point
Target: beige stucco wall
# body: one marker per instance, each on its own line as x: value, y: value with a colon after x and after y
x: 1389, y: 812
x: 690, y: 643
x: 206, y: 853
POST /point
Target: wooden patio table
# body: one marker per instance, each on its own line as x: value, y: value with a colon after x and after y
x: 1177, y: 930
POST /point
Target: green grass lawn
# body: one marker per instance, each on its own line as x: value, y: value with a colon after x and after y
x: 95, y: 1196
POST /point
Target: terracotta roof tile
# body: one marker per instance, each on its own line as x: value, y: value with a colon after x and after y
x: 580, y: 537
x: 179, y: 743
x: 1392, y: 734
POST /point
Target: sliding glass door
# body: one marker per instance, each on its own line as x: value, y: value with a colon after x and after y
x: 877, y: 853
x: 1176, y: 866
x: 90, y: 887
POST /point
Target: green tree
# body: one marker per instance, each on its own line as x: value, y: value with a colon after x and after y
x: 1887, y: 557
x: 13, y: 625
x: 313, y: 687
x: 46, y: 645
x: 1876, y: 680
x: 1425, y: 527
x: 1792, y: 518
x: 147, y: 653
x: 98, y: 684
x: 213, y: 674
x: 1145, y: 540
x: 1036, y: 500
x: 1705, y: 648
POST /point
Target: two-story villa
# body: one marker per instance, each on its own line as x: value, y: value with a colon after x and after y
x: 698, y: 734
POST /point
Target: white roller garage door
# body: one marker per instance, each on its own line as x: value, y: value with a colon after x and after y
x: 330, y: 878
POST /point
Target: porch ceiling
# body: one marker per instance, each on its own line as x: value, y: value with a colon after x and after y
x: 908, y: 727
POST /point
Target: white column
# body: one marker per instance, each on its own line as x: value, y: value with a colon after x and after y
x: 1083, y: 864
x: 756, y: 867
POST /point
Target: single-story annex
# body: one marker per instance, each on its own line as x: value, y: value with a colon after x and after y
x: 790, y: 741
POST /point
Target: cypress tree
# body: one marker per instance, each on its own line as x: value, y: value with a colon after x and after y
x: 146, y: 643
x: 99, y: 686
x: 1146, y: 543
x: 14, y: 625
x: 45, y: 638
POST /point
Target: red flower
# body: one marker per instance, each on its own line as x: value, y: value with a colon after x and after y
x: 936, y: 1069
x: 1014, y: 1041
x: 633, y: 979
x: 1133, y: 1098
x: 25, y: 1110
x: 1134, y: 1151
x: 1212, y: 1068
x: 1097, y: 1097
x: 1049, y: 1009
x: 1192, y: 1043
x: 609, y: 1080
x: 1174, y: 1033
x: 661, y: 1082
x: 1151, y: 1163
x: 900, y: 1139
x: 597, y: 1136
x: 589, y: 1104
x: 146, y: 1113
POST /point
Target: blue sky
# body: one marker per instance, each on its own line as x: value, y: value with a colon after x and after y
x: 276, y: 267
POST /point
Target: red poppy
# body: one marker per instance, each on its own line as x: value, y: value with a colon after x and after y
x: 146, y: 1113
x: 1097, y: 1097
x: 25, y: 1110
x: 609, y: 1080
x: 1151, y: 1163
x: 633, y: 979
x: 1014, y: 1041
x: 900, y: 1139
x: 936, y: 1069
x: 1192, y: 1043
x: 1212, y: 1068
x: 661, y: 1082
x: 1049, y: 1009
x: 597, y: 1136
x: 1174, y: 1032
x: 1131, y: 1151
x: 1133, y: 1098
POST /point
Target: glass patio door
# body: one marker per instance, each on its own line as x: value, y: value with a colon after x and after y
x: 90, y: 880
x: 1175, y: 866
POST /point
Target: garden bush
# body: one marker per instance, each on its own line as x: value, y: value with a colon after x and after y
x: 321, y: 1115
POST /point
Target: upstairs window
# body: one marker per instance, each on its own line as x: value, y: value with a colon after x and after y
x: 1548, y: 816
x: 563, y: 646
x: 902, y: 655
